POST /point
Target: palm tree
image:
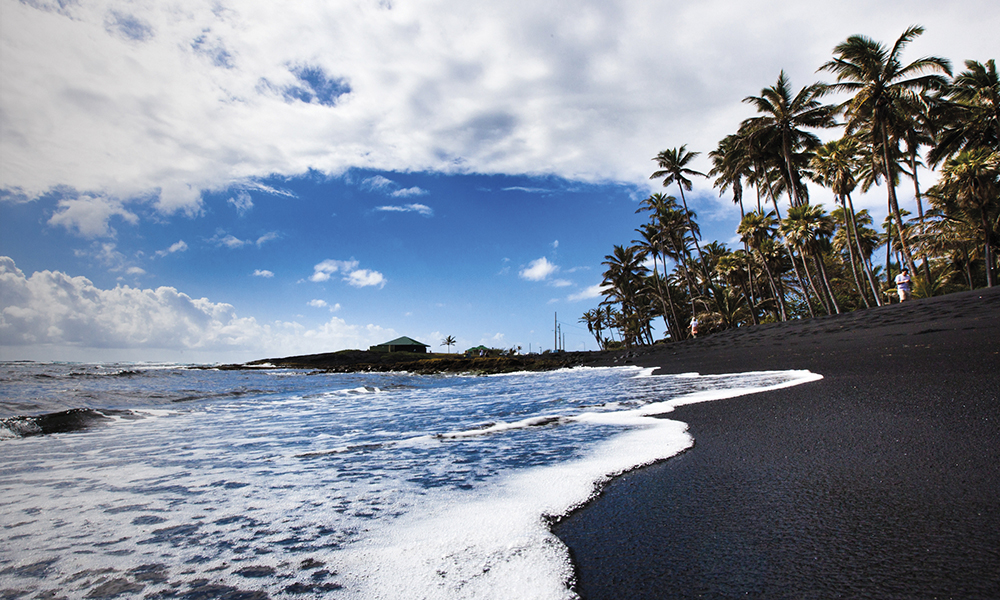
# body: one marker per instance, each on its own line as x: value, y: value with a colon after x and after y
x: 781, y: 126
x: 884, y: 92
x: 731, y: 166
x: 449, y: 341
x: 806, y: 227
x: 594, y: 319
x: 971, y: 114
x: 754, y: 228
x: 673, y: 165
x: 623, y: 282
x: 651, y: 245
x: 834, y: 164
x: 971, y: 180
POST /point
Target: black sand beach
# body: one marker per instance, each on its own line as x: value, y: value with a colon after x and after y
x: 880, y: 481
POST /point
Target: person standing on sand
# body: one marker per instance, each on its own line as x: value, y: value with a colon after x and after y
x: 903, y: 285
x: 694, y: 327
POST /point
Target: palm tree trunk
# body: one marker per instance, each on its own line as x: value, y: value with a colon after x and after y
x: 920, y: 215
x: 865, y: 261
x: 780, y: 297
x: 894, y: 204
x: 694, y: 236
x: 850, y: 251
x: 659, y: 290
x: 791, y: 254
x: 812, y: 286
x: 988, y: 254
x: 752, y: 297
x: 826, y: 280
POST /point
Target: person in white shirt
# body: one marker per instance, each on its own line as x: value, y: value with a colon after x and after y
x: 903, y: 285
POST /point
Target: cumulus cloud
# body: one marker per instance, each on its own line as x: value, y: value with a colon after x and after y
x: 365, y: 278
x: 228, y: 240
x: 326, y: 269
x: 422, y: 209
x: 263, y: 273
x: 54, y: 309
x: 178, y: 246
x: 588, y: 293
x: 152, y: 100
x: 349, y: 271
x: 90, y: 216
x: 538, y: 270
x: 324, y: 304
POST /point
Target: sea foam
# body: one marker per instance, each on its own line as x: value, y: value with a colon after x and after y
x: 375, y: 486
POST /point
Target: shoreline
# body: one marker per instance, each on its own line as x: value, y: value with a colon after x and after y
x: 882, y: 480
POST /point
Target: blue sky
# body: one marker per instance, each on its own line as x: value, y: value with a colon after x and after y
x: 231, y: 181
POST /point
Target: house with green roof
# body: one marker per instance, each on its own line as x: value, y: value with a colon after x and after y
x: 402, y: 344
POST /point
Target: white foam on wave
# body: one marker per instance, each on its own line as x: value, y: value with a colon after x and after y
x: 248, y: 483
x: 496, y: 542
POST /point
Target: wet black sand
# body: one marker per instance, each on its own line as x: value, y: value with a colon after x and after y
x: 880, y: 481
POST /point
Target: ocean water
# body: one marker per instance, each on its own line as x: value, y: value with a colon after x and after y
x: 163, y: 481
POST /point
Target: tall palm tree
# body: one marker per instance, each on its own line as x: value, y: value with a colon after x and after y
x: 731, y: 166
x: 623, y: 281
x: 804, y: 227
x: 971, y: 179
x: 673, y: 165
x: 971, y: 114
x: 449, y: 341
x: 594, y: 319
x: 754, y: 228
x: 651, y: 245
x: 782, y: 125
x: 883, y: 94
x: 834, y: 164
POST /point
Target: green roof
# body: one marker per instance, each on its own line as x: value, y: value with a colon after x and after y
x: 404, y: 341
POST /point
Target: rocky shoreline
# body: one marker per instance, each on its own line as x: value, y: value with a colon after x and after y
x: 362, y: 361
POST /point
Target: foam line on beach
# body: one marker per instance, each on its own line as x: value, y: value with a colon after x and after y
x: 496, y: 542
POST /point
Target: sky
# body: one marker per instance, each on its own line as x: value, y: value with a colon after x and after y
x: 217, y: 181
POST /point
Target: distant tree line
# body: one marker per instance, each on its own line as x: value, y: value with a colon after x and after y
x: 809, y: 261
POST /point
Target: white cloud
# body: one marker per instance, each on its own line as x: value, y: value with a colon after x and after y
x: 324, y: 270
x: 423, y: 209
x: 229, y: 241
x: 267, y: 237
x: 588, y: 293
x: 365, y: 278
x: 90, y: 216
x: 162, y: 101
x: 52, y: 312
x: 538, y: 270
x: 242, y: 202
x: 407, y: 192
x: 178, y: 246
x: 561, y: 283
x: 221, y: 238
x: 324, y: 304
x: 379, y: 183
x: 351, y: 273
x: 263, y: 273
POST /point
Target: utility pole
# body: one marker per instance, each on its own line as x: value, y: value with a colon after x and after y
x: 555, y: 329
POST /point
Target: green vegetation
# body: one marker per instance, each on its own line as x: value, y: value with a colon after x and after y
x: 810, y: 261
